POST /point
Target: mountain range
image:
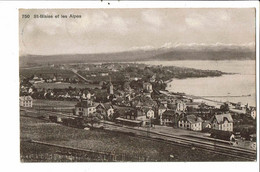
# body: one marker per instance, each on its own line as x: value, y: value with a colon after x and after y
x: 167, y: 52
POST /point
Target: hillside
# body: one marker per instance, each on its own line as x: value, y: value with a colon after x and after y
x: 172, y: 53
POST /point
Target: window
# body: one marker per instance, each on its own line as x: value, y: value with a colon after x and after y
x: 180, y: 125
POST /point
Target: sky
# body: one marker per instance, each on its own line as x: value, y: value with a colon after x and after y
x: 113, y: 30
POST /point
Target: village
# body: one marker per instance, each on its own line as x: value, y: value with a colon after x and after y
x: 139, y: 102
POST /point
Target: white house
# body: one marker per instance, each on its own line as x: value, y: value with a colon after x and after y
x: 145, y: 115
x: 181, y: 106
x: 253, y: 113
x: 26, y: 101
x: 147, y: 112
x: 36, y: 80
x: 106, y: 110
x: 222, y: 122
x: 191, y: 122
x: 84, y: 108
x: 148, y: 87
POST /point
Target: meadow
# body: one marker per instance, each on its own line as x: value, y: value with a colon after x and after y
x: 106, y: 141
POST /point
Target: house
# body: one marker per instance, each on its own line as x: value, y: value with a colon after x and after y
x: 26, y: 101
x: 239, y: 106
x: 191, y: 122
x: 145, y: 115
x: 147, y: 112
x: 148, y: 87
x: 253, y: 112
x: 106, y: 110
x: 130, y: 114
x: 87, y: 95
x: 131, y: 117
x: 36, y: 80
x: 152, y: 79
x: 167, y: 117
x: 119, y: 101
x: 180, y: 106
x: 222, y: 122
x: 59, y: 79
x: 206, y: 124
x: 84, y: 108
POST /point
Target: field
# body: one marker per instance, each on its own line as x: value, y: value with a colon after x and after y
x: 105, y: 141
x: 45, y: 71
x: 53, y: 103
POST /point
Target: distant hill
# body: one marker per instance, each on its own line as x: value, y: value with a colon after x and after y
x: 163, y: 53
x: 205, y: 55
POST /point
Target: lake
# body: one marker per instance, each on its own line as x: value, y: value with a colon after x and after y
x: 240, y: 84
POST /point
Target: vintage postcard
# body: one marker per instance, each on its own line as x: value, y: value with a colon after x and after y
x: 137, y: 85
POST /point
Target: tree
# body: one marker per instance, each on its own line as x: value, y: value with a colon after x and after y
x: 93, y: 119
x: 224, y: 107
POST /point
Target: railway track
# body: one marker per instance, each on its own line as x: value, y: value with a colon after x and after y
x: 244, y: 154
x: 248, y: 155
x: 204, y: 147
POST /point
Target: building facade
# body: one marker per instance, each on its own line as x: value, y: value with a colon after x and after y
x: 148, y: 87
x: 222, y: 122
x: 26, y: 101
x: 191, y: 122
x: 84, y: 108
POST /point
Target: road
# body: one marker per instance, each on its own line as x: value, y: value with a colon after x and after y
x: 80, y: 76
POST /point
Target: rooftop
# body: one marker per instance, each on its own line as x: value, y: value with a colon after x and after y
x: 26, y: 98
x: 221, y: 118
x: 84, y: 104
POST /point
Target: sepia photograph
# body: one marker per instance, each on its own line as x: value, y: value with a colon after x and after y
x: 137, y: 85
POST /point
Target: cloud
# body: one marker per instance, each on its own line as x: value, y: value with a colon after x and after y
x: 214, y: 19
x: 106, y: 30
x: 151, y: 17
x: 193, y: 22
x: 99, y: 19
x: 99, y: 22
x: 119, y: 25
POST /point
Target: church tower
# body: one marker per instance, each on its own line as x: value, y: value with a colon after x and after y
x: 110, y: 87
